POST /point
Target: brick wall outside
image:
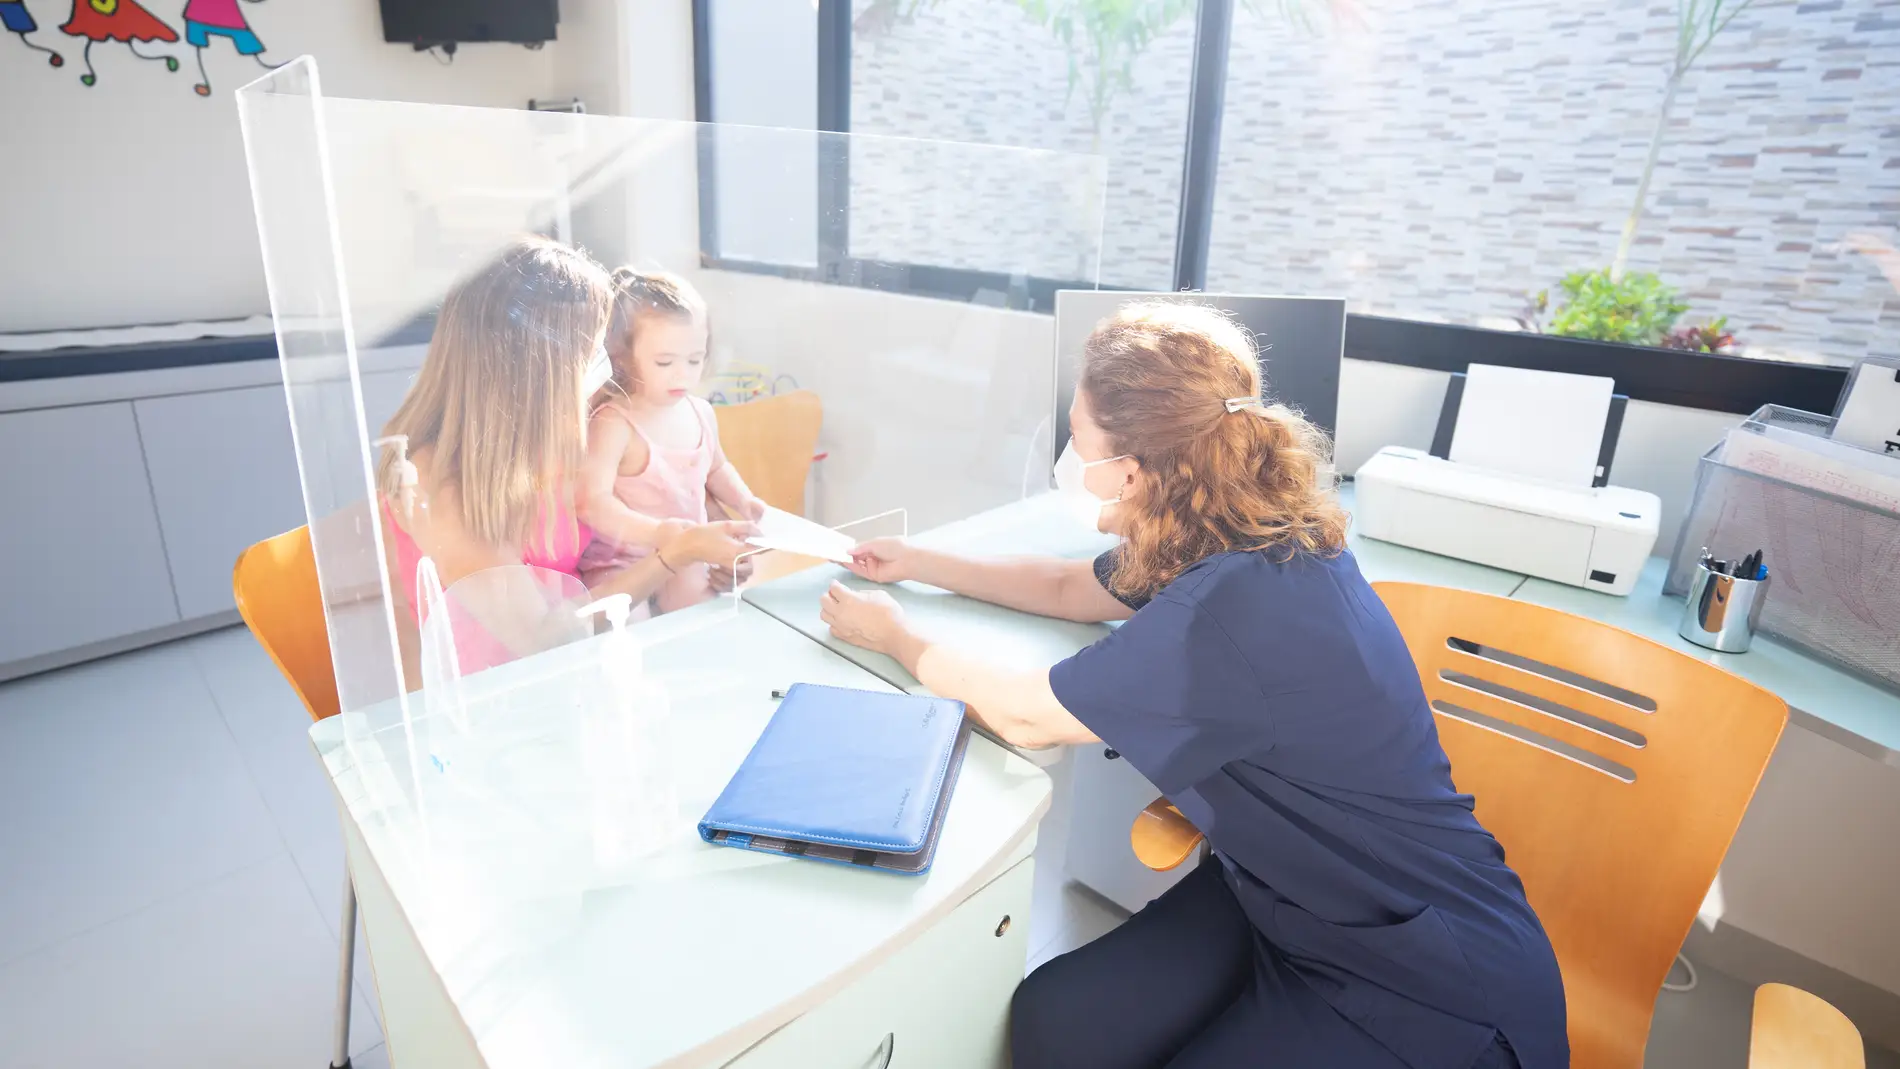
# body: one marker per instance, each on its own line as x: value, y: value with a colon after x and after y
x: 1440, y: 160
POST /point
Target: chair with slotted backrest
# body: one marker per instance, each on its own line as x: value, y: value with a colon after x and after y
x: 1614, y: 771
x: 771, y: 443
x: 275, y: 584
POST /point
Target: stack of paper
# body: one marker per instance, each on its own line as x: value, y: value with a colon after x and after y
x: 1539, y: 424
x: 795, y: 534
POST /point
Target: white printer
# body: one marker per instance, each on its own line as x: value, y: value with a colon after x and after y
x: 1516, y: 479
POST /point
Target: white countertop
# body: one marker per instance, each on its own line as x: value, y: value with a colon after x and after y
x: 552, y: 957
x: 1825, y: 699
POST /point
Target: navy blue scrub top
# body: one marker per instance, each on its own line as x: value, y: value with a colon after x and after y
x: 1275, y: 704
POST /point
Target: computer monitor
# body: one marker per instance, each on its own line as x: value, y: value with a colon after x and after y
x: 1300, y: 342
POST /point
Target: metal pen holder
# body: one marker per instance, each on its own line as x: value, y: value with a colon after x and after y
x: 1722, y: 611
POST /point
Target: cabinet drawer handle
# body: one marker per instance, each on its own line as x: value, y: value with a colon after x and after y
x: 881, y: 1057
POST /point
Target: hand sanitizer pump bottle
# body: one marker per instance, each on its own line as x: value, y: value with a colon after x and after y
x: 628, y: 742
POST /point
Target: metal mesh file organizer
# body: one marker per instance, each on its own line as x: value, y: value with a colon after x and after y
x: 1827, y: 516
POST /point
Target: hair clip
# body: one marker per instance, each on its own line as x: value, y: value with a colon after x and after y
x: 1241, y: 404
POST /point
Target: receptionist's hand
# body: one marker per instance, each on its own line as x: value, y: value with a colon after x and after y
x: 871, y: 619
x: 882, y: 560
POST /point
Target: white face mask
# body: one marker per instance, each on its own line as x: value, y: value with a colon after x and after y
x: 599, y: 371
x: 1070, y: 483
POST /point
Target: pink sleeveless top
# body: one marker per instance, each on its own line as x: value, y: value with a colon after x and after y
x: 475, y: 648
x: 671, y: 487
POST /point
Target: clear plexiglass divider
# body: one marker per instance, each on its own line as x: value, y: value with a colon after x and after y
x: 440, y: 283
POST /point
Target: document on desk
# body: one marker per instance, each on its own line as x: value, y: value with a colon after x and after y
x: 779, y: 529
x: 1539, y: 424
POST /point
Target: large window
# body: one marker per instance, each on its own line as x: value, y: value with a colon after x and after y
x: 760, y: 65
x: 1449, y: 162
x: 1074, y: 77
x: 1648, y: 190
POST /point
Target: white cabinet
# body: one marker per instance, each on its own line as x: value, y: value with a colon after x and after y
x: 940, y: 1003
x: 223, y: 475
x: 81, y: 559
x: 1109, y: 794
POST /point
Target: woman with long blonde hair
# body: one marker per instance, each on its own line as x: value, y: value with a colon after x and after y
x: 1353, y: 913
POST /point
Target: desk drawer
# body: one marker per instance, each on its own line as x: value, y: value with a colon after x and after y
x: 1107, y: 797
x: 940, y: 1003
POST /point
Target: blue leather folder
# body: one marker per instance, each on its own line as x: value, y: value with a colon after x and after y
x: 853, y: 777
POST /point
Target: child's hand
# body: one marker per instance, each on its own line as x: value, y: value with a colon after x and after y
x: 755, y: 509
x: 725, y: 578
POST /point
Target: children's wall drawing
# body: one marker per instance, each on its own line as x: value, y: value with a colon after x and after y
x: 18, y: 21
x: 117, y: 20
x: 132, y: 24
x: 205, y: 19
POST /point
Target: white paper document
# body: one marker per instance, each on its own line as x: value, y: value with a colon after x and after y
x: 1817, y: 463
x: 1539, y: 424
x: 1870, y: 414
x: 795, y: 534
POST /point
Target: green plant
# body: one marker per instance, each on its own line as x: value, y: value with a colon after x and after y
x: 1104, y: 38
x: 1698, y: 22
x: 1637, y: 309
x: 1710, y: 337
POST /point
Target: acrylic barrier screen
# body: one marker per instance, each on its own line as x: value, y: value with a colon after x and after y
x: 523, y: 405
x: 451, y: 285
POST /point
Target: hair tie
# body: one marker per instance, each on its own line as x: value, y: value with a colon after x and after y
x: 1241, y: 404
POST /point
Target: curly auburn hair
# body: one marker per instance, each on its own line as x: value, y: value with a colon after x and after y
x: 1213, y: 477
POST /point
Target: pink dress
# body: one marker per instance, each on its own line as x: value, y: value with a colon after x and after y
x: 671, y: 487
x: 475, y: 648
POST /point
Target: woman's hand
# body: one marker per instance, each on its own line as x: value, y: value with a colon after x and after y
x: 706, y: 543
x: 871, y: 620
x: 884, y: 560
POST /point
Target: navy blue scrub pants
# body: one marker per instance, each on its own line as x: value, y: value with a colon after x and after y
x: 1183, y: 985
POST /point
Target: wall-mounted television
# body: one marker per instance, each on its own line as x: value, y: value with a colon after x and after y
x: 427, y: 23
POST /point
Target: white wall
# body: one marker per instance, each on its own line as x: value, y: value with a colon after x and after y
x: 127, y: 202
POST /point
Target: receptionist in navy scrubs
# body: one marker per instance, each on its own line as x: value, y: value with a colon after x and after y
x: 1353, y: 913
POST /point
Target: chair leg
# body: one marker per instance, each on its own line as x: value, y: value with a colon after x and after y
x: 345, y: 975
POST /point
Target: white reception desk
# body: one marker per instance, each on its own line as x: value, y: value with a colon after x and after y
x: 721, y: 957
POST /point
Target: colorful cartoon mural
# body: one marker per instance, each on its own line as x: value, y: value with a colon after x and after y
x: 117, y: 20
x: 205, y: 19
x: 18, y: 21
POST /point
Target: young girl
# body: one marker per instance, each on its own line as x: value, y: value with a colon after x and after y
x: 653, y: 453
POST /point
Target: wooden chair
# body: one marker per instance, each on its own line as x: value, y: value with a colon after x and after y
x: 771, y: 442
x: 1614, y: 770
x: 1795, y: 1030
x: 275, y: 583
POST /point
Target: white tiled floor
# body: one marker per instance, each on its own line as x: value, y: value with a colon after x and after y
x: 171, y: 871
x: 172, y: 868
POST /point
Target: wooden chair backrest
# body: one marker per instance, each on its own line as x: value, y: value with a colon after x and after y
x: 771, y: 442
x: 1614, y: 770
x: 275, y: 583
x: 1793, y: 1029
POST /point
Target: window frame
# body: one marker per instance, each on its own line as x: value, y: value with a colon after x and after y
x: 1708, y: 381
